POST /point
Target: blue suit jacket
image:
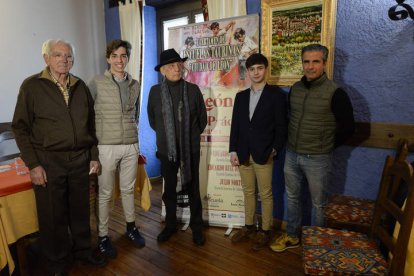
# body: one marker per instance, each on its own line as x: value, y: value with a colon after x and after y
x: 267, y: 130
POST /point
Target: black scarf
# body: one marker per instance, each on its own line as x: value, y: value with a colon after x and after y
x: 183, y: 122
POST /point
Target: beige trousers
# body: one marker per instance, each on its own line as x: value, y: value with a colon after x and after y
x: 122, y: 159
x: 251, y: 172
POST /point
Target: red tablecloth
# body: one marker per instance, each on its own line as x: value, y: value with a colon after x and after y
x: 18, y: 216
x: 11, y: 183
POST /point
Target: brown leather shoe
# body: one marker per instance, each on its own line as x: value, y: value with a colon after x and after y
x: 244, y: 234
x: 262, y: 240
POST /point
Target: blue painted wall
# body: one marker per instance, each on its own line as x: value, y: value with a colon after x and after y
x: 150, y: 77
x: 253, y: 6
x: 112, y: 24
x: 374, y: 63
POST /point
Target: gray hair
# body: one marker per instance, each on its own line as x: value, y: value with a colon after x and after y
x: 48, y: 45
x: 317, y: 48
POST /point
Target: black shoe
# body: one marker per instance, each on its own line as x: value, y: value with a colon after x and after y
x: 198, y: 237
x: 166, y: 234
x: 106, y: 248
x: 136, y: 238
x: 98, y: 261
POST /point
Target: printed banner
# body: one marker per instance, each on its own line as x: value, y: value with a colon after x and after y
x: 217, y: 53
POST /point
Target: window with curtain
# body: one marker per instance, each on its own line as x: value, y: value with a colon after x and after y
x: 172, y: 23
x: 178, y: 22
x: 181, y: 13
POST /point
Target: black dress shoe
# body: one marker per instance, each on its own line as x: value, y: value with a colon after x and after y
x: 198, y: 237
x: 90, y: 259
x: 166, y: 234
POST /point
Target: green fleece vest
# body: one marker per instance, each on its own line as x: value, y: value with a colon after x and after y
x: 312, y: 123
x: 115, y: 123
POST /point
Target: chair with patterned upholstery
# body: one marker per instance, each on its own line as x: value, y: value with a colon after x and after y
x: 352, y: 213
x: 328, y: 251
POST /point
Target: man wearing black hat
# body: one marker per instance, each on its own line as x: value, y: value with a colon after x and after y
x: 177, y: 113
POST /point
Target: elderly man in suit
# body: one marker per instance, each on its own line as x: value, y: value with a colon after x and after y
x: 258, y: 133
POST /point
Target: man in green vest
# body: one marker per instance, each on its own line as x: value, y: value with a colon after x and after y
x: 321, y: 118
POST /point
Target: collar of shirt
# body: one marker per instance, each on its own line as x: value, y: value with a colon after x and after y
x: 253, y: 101
x: 123, y: 78
x: 45, y: 75
x: 258, y: 91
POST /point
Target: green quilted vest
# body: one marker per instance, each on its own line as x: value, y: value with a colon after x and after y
x: 114, y: 124
x: 312, y: 123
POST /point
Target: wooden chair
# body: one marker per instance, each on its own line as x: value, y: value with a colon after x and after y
x: 328, y: 251
x: 5, y: 136
x: 356, y: 214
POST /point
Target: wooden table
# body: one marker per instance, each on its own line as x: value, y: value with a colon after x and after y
x: 18, y: 216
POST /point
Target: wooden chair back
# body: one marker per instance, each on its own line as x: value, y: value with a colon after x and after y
x: 402, y: 149
x: 4, y: 136
x: 363, y: 225
x: 398, y: 176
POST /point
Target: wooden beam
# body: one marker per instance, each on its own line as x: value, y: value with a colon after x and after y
x: 5, y: 126
x: 382, y: 135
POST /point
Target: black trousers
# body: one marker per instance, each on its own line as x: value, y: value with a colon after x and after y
x: 169, y: 172
x: 63, y: 206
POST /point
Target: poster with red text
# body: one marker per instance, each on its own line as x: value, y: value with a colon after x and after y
x: 216, y: 53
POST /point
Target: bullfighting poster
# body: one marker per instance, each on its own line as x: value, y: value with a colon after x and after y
x: 217, y: 52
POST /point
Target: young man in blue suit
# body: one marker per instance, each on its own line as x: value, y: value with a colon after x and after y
x: 258, y: 133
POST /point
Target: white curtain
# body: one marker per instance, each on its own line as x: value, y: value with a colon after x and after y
x: 218, y: 9
x: 130, y: 19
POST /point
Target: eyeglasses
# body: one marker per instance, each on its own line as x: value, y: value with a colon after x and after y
x: 62, y: 56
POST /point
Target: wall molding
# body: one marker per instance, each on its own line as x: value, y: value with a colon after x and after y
x: 382, y: 135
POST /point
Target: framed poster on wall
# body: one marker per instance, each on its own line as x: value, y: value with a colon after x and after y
x: 288, y: 26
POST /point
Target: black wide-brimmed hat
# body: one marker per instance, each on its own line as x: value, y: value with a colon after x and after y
x: 169, y: 56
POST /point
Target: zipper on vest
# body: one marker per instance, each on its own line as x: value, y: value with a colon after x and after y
x: 120, y: 97
x: 122, y: 112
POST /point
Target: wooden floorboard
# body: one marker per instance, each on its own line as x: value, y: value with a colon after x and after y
x: 179, y: 256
